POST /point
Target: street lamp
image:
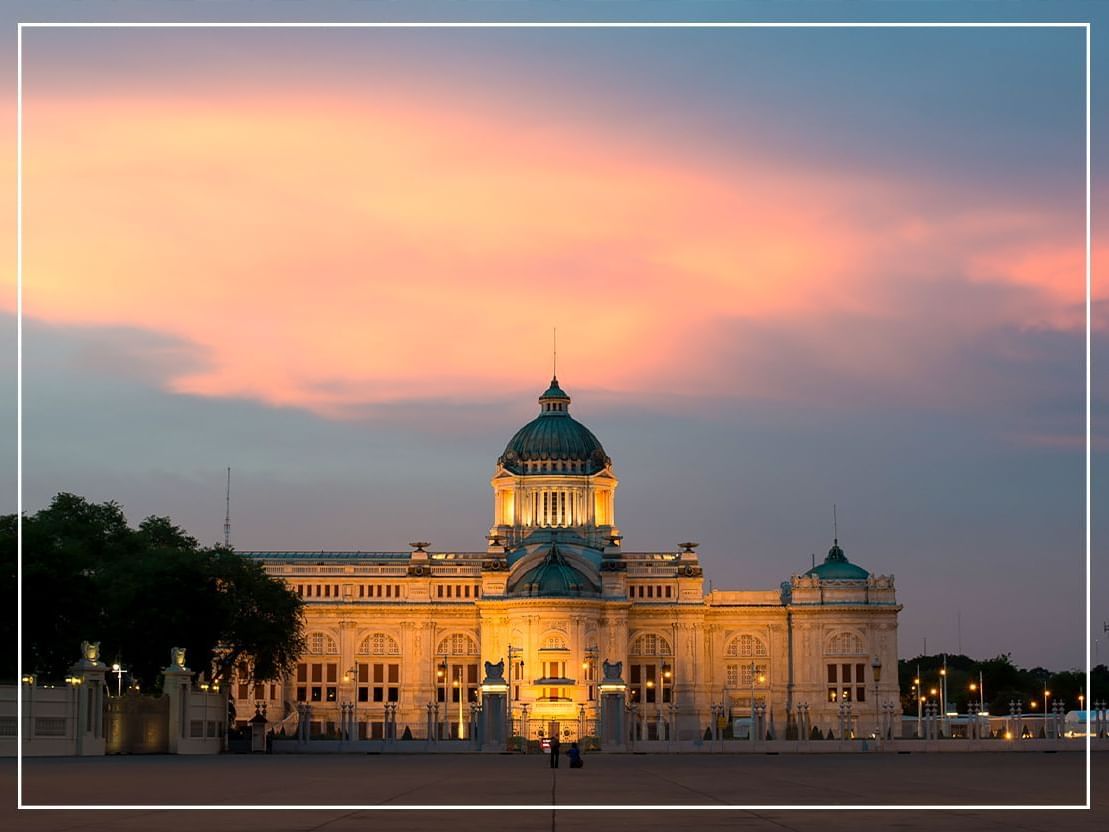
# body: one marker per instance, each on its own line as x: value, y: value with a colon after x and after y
x: 442, y: 676
x: 919, y: 701
x: 876, y: 665
x: 458, y: 689
x: 1047, y: 693
x: 118, y: 670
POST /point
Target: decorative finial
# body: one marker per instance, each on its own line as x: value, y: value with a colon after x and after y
x: 554, y: 351
x: 688, y: 546
x: 419, y: 545
x: 835, y: 526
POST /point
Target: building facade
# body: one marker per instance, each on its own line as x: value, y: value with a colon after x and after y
x: 554, y: 595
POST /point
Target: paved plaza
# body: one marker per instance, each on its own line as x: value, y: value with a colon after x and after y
x: 637, y: 780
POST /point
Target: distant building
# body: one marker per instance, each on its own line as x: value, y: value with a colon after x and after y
x: 554, y: 595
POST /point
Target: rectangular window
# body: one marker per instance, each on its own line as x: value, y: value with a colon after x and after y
x: 379, y: 695
x: 832, y: 676
x: 846, y: 694
x: 467, y: 590
x: 244, y: 689
x: 847, y: 673
x: 302, y: 672
x: 388, y: 590
x: 363, y: 694
x: 439, y: 591
x: 833, y: 695
x: 732, y: 676
x: 668, y: 589
x: 361, y: 590
x: 332, y: 673
x: 396, y: 590
x: 860, y: 694
x: 259, y: 691
x: 394, y: 674
x: 477, y: 591
x: 273, y: 691
x: 394, y: 694
x: 860, y: 673
x: 317, y: 693
x: 317, y: 672
x: 331, y: 694
x: 327, y: 591
x: 379, y: 674
x: 302, y: 693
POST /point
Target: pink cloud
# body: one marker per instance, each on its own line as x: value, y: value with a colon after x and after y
x: 390, y: 246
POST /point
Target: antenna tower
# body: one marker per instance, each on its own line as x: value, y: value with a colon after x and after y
x: 227, y: 517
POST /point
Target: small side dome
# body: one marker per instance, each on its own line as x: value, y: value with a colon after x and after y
x: 837, y: 567
x: 553, y: 577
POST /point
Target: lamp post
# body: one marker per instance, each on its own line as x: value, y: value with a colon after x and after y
x: 442, y: 675
x: 351, y: 677
x: 118, y: 670
x: 1047, y: 693
x: 667, y: 673
x: 919, y: 700
x: 459, y: 686
x: 876, y: 665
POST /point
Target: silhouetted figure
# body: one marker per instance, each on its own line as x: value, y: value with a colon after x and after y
x: 574, y: 755
x: 554, y: 751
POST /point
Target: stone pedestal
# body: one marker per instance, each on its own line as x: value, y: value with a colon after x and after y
x: 493, y: 717
x: 177, y: 681
x: 87, y: 677
x: 613, y: 734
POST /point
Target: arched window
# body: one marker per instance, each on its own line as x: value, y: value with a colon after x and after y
x: 554, y: 642
x: 747, y: 646
x: 378, y: 644
x: 457, y: 644
x: 845, y: 644
x: 650, y: 644
x: 321, y: 644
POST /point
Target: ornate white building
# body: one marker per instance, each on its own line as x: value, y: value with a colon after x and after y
x: 554, y: 595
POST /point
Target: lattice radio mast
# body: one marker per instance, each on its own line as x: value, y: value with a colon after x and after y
x: 227, y: 517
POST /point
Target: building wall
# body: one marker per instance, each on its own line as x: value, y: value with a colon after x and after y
x: 708, y: 641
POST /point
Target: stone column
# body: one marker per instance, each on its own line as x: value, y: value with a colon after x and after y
x: 176, y: 684
x: 88, y: 680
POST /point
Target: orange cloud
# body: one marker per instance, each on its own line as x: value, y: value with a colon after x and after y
x: 336, y: 251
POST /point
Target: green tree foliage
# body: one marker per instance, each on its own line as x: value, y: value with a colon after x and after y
x: 88, y: 575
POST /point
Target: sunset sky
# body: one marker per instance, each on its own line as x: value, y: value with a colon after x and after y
x: 788, y: 268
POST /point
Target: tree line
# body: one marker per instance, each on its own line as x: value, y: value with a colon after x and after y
x: 1003, y: 682
x: 89, y: 575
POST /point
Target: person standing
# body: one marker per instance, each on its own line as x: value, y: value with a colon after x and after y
x: 554, y: 751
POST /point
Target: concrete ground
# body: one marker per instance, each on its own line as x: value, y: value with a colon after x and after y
x: 644, y: 781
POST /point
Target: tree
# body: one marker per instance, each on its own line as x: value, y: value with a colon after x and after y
x: 88, y: 575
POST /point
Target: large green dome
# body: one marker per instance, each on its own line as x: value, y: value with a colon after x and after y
x: 554, y: 435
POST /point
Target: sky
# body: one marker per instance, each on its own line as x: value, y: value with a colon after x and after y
x: 789, y: 268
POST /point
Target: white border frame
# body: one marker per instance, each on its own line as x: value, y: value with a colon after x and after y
x: 507, y: 25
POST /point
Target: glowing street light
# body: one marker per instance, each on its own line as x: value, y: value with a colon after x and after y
x: 118, y: 670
